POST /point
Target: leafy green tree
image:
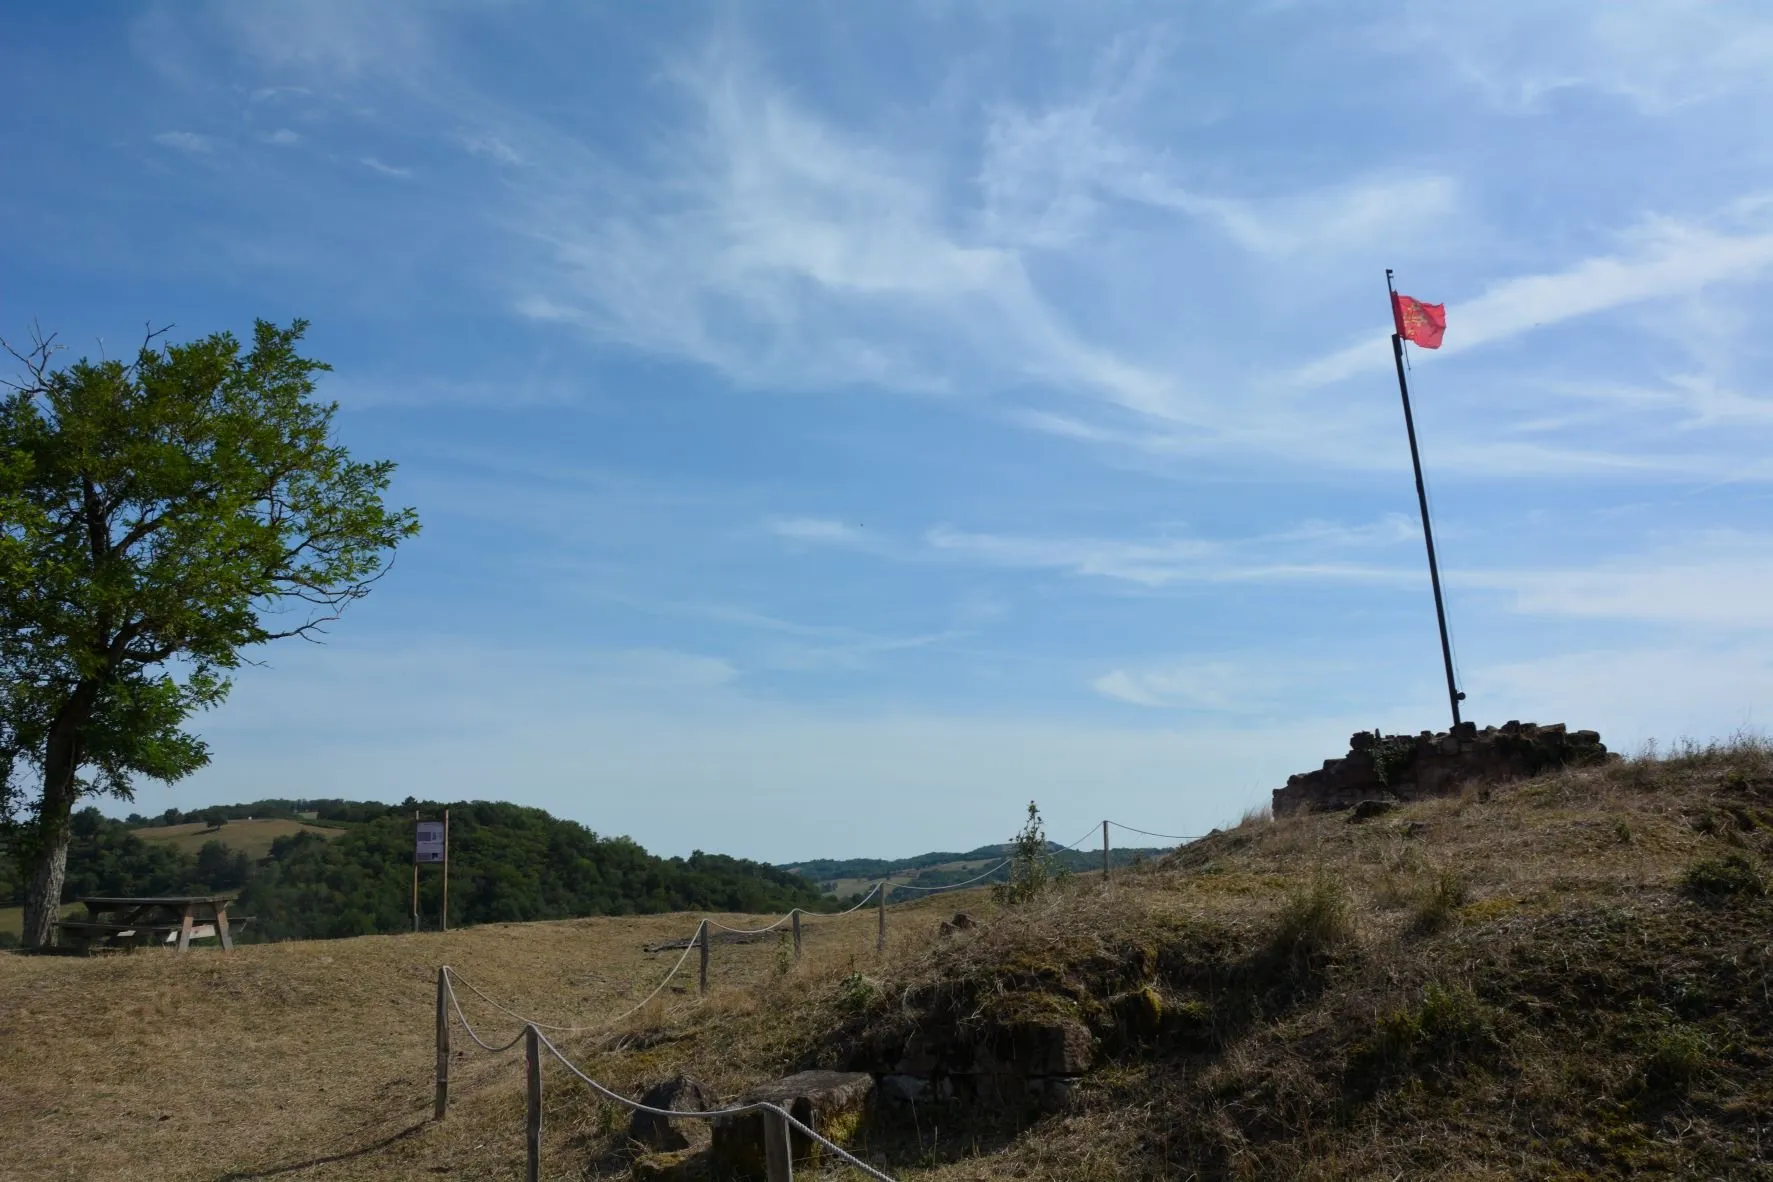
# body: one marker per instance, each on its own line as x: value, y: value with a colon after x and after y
x: 1028, y: 862
x: 157, y: 519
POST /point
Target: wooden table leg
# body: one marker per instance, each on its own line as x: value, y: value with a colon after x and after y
x: 185, y: 924
x: 221, y: 927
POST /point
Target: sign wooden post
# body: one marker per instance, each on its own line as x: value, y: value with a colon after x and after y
x: 797, y: 935
x: 880, y: 908
x: 1105, y: 854
x: 778, y: 1149
x: 445, y: 870
x: 532, y: 1129
x: 441, y: 1104
x: 702, y: 991
x: 430, y: 843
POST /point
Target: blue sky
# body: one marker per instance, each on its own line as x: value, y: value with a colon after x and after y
x: 835, y: 425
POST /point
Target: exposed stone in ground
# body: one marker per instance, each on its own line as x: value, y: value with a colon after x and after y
x: 832, y: 1102
x: 681, y: 1094
x: 1405, y: 767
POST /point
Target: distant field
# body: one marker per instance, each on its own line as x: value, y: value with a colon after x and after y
x: 846, y: 887
x: 12, y: 919
x: 252, y: 838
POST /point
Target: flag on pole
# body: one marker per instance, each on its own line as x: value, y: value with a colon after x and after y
x: 1422, y: 323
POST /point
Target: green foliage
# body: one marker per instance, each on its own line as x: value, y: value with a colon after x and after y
x: 1028, y: 863
x: 1441, y: 902
x: 1449, y: 1027
x: 507, y: 863
x: 857, y: 992
x: 1313, y: 924
x: 1391, y: 755
x: 1729, y: 877
x: 1679, y: 1057
x: 160, y: 517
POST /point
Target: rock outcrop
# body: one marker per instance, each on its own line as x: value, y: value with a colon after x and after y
x: 1406, y: 767
x: 833, y: 1102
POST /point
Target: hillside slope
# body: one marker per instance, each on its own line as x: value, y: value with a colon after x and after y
x: 1561, y: 978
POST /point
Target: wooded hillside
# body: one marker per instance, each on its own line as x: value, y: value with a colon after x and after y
x: 507, y: 863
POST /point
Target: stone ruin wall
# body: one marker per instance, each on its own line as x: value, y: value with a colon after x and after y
x: 1405, y: 767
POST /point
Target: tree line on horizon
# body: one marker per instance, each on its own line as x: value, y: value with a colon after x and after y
x: 508, y: 863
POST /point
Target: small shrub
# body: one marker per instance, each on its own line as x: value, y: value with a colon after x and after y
x: 1731, y: 876
x: 1313, y: 924
x: 1622, y: 831
x: 1450, y: 1027
x: 1260, y: 815
x: 857, y: 992
x: 1679, y: 1057
x: 784, y: 954
x: 1391, y: 755
x: 1441, y: 902
x: 1028, y: 863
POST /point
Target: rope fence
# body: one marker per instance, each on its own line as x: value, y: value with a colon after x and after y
x: 777, y: 1120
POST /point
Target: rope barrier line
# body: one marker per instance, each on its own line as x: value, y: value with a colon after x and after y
x: 1149, y: 833
x: 736, y: 1110
x: 450, y: 975
x: 949, y: 886
x: 791, y: 914
x: 456, y: 1003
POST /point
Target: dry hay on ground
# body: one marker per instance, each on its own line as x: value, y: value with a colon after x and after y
x: 1564, y: 977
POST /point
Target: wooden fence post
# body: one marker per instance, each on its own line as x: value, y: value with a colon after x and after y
x: 778, y: 1149
x: 705, y: 934
x: 532, y: 1132
x: 880, y: 908
x: 797, y: 935
x: 1105, y: 853
x: 441, y: 1104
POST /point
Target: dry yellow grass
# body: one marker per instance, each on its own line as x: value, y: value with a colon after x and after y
x: 1309, y: 961
x: 252, y: 838
x: 210, y: 1065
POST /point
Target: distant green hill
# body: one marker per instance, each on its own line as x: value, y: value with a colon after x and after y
x: 847, y: 877
x: 352, y: 874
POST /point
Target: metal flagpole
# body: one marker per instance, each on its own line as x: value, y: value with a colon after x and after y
x: 1434, y: 575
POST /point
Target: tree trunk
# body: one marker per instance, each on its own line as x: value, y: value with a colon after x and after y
x: 53, y: 830
x: 43, y: 904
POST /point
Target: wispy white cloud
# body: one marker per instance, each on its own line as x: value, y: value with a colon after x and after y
x: 1154, y: 563
x: 1199, y: 685
x: 186, y: 141
x: 811, y: 529
x: 1050, y: 179
x: 1659, y: 55
x: 1715, y: 579
x: 372, y: 163
x: 283, y: 137
x: 1663, y: 257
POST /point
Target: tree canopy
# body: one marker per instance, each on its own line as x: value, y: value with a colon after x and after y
x: 158, y: 518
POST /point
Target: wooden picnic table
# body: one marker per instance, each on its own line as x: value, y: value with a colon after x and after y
x: 118, y: 919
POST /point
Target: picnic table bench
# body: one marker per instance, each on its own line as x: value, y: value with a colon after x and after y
x: 118, y: 920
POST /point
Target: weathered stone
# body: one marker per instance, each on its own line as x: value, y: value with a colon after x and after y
x: 682, y: 1165
x: 963, y: 921
x: 904, y: 1089
x: 1430, y: 764
x: 1138, y: 1015
x: 1368, y: 809
x: 832, y: 1102
x: 1035, y: 1048
x: 681, y: 1094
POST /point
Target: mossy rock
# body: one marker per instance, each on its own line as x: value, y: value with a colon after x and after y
x: 683, y: 1165
x: 1138, y: 1015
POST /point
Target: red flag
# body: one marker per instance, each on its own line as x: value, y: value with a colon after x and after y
x: 1416, y: 321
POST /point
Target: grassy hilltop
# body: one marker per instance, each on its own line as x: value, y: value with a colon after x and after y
x: 1561, y: 978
